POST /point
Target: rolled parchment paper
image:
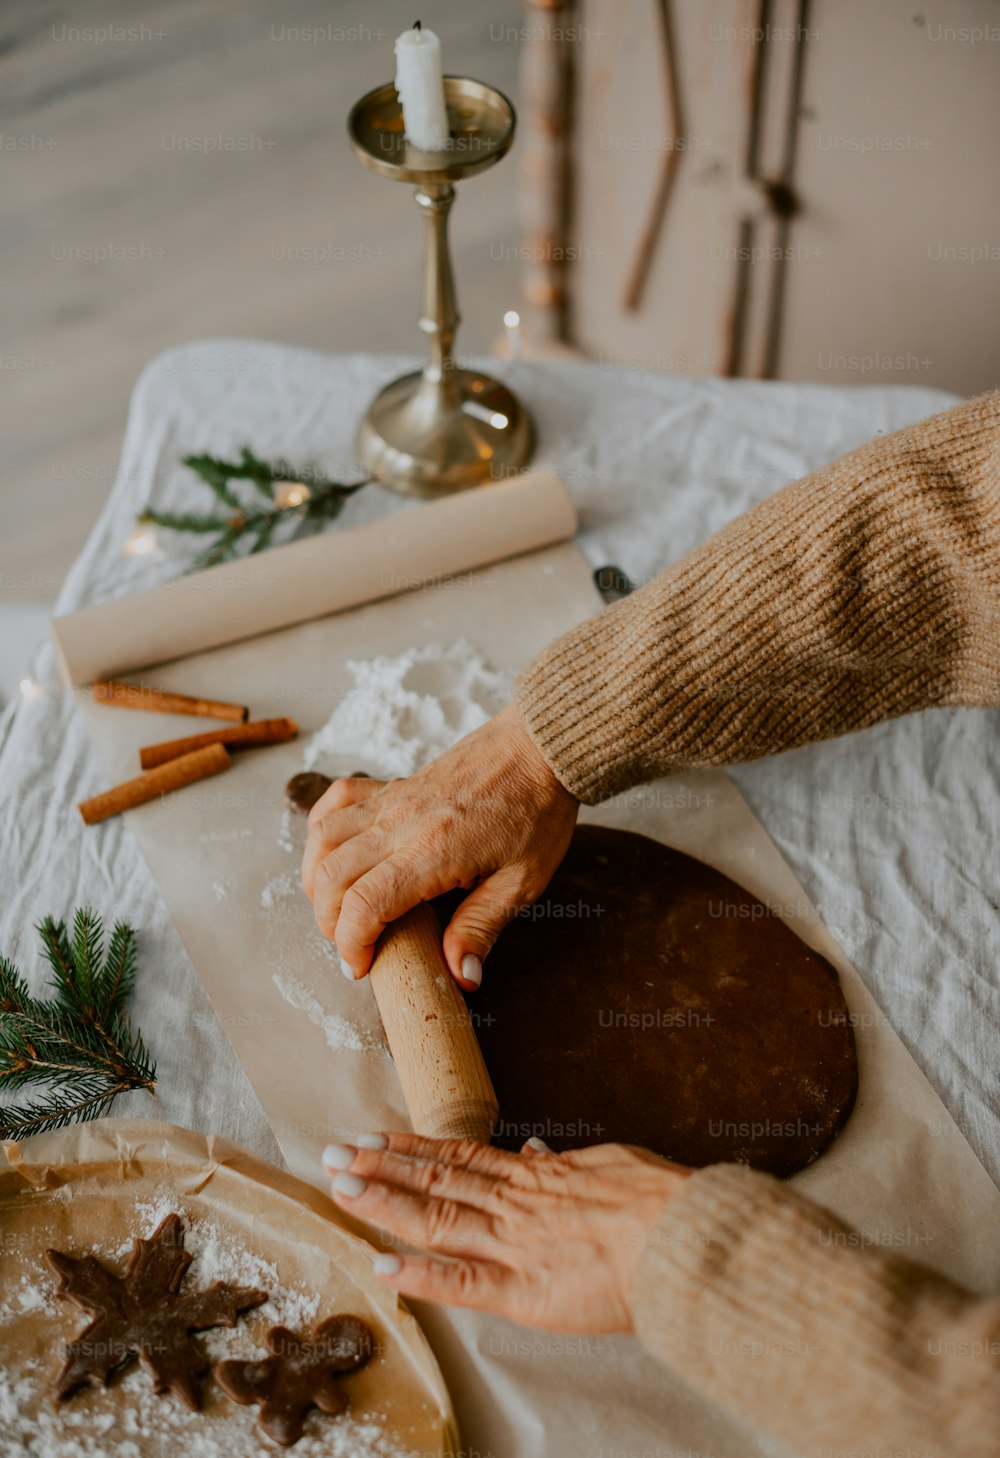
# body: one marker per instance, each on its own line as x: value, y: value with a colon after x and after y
x: 339, y: 569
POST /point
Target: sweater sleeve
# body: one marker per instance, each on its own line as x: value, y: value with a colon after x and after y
x: 864, y: 591
x: 771, y: 1307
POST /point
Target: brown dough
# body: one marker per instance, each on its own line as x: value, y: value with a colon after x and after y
x: 300, y: 1373
x: 647, y: 999
x: 142, y: 1315
x: 305, y: 789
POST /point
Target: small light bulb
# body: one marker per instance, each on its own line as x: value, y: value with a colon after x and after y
x: 290, y: 493
x: 498, y: 421
x: 512, y: 319
x: 140, y: 543
x: 29, y: 688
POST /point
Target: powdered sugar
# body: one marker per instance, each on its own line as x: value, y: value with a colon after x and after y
x: 403, y: 712
x: 340, y: 1034
x: 279, y: 888
x: 28, y: 1296
x: 208, y: 836
x: 286, y: 839
x: 146, y: 1424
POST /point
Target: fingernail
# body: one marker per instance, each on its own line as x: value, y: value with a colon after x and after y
x: 348, y: 971
x: 386, y: 1265
x: 472, y: 968
x: 371, y: 1141
x: 351, y: 1186
x: 538, y: 1144
x: 338, y: 1156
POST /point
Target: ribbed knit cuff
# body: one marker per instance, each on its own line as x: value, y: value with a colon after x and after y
x: 773, y: 1308
x: 568, y: 696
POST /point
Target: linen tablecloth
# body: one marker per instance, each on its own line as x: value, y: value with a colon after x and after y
x: 891, y: 831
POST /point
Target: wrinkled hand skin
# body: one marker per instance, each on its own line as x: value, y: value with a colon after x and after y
x: 548, y: 1240
x: 488, y: 814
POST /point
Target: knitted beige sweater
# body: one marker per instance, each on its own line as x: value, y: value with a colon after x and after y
x: 868, y: 590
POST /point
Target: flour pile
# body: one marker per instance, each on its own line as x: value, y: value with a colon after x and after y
x: 403, y: 712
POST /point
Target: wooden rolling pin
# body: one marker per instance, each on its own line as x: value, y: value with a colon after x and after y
x: 430, y: 1033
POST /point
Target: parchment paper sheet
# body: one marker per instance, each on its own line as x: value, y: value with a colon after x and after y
x: 901, y: 1172
x: 81, y: 1189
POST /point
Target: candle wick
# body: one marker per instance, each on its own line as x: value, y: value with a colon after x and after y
x: 417, y: 25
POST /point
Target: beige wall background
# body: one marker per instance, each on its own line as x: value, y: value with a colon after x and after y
x: 770, y: 187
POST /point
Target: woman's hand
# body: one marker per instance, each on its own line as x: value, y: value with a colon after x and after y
x: 549, y: 1240
x: 488, y: 814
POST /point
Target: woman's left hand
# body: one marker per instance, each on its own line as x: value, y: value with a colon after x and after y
x: 549, y: 1240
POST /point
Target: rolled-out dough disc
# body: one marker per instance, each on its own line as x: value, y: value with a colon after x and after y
x: 647, y: 999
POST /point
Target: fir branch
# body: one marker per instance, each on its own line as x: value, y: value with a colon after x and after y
x: 216, y: 474
x: 78, y: 1044
x: 253, y: 524
x: 88, y: 951
x: 220, y: 550
x: 57, y: 951
x: 186, y: 522
x: 19, y: 1121
x: 15, y: 996
x: 259, y: 472
x: 264, y: 533
x: 118, y: 973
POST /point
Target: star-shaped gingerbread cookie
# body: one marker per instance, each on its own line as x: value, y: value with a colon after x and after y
x: 143, y: 1314
x: 301, y: 1372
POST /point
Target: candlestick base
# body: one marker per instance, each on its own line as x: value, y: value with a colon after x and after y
x: 425, y: 441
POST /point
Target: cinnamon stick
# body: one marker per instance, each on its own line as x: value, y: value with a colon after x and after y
x: 240, y: 736
x: 158, y: 701
x: 173, y: 775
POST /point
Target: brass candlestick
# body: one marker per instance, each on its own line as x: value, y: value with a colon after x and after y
x: 442, y: 428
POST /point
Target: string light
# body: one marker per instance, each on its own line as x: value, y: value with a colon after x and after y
x: 140, y: 543
x: 29, y: 688
x: 290, y: 493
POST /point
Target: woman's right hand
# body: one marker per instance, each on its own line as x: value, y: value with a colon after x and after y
x: 488, y: 815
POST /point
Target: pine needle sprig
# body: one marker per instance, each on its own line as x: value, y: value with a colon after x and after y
x: 318, y: 502
x: 118, y: 974
x: 78, y: 1045
x: 92, y: 1100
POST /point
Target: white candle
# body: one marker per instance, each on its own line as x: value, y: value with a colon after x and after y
x: 421, y: 89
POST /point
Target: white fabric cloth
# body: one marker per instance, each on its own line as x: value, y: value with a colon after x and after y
x: 892, y: 831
